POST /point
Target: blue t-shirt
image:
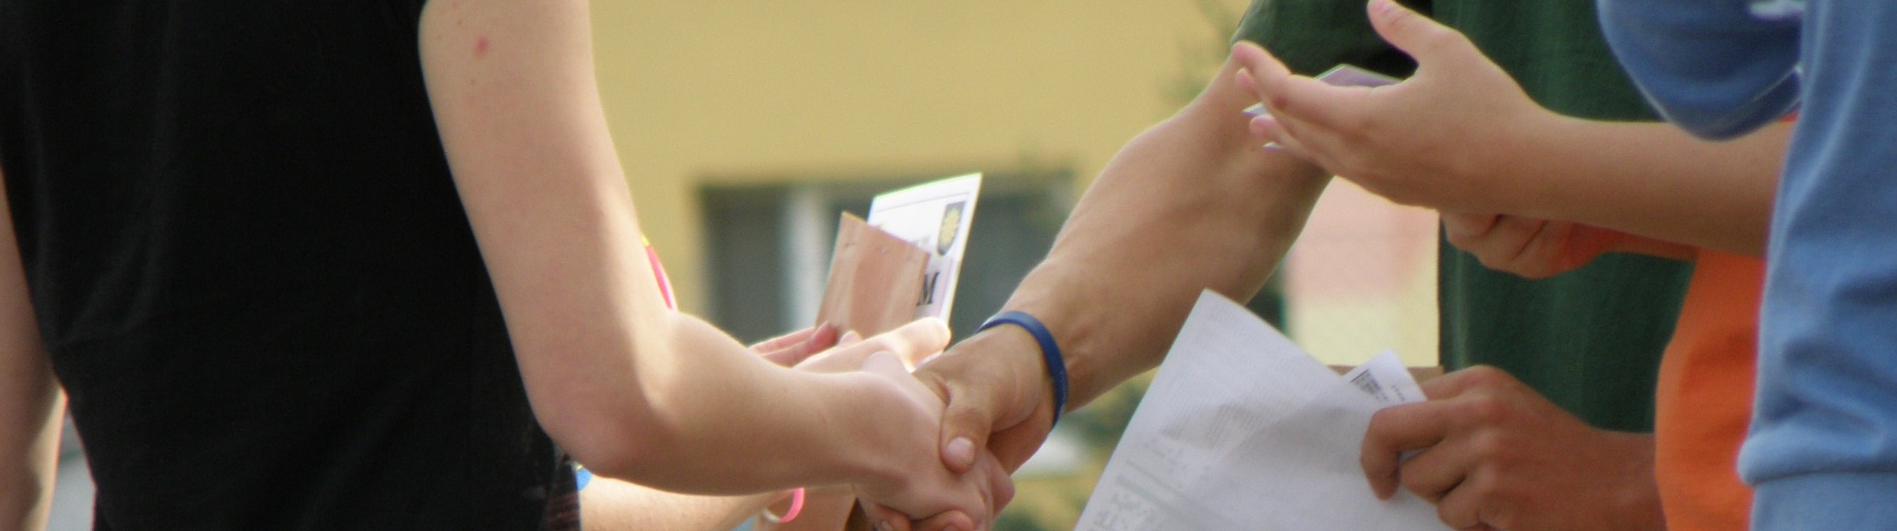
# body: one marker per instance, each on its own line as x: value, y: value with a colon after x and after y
x: 1823, y: 448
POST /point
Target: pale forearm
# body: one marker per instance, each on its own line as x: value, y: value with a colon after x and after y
x: 31, y: 404
x: 715, y: 399
x: 1653, y: 180
x: 1193, y: 203
x: 631, y: 388
x: 30, y: 459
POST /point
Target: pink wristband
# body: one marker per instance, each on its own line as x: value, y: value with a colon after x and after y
x: 796, y: 507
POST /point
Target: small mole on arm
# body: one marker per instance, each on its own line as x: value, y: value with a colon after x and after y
x: 480, y: 46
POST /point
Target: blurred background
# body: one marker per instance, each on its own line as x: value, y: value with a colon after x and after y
x: 747, y: 125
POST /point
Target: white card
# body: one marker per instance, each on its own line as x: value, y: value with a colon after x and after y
x: 935, y: 217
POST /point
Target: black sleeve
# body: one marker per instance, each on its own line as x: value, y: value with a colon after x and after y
x: 1312, y: 36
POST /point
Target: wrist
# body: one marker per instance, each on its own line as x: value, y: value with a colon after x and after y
x: 1038, y: 368
x: 1054, y: 364
x: 1528, y: 184
x: 880, y: 436
x: 852, y: 447
x: 1014, y: 359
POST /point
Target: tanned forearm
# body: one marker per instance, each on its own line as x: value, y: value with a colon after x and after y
x: 1653, y: 180
x: 1191, y: 204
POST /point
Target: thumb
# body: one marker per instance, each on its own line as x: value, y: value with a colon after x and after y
x: 966, y: 420
x: 1409, y: 31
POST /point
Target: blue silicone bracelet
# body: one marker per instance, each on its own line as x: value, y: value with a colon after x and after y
x: 1050, y: 352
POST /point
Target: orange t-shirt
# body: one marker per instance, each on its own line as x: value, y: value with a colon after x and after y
x: 1703, y: 403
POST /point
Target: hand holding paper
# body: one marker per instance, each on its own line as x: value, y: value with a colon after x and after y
x: 1494, y: 454
x: 1242, y: 430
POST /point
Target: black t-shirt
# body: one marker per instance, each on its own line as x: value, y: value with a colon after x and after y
x: 253, y: 274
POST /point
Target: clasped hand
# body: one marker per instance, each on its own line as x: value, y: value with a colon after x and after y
x: 909, y: 487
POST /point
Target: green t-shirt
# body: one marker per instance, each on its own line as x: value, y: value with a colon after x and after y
x: 1590, y: 339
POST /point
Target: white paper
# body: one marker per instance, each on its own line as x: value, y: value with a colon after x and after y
x: 1243, y: 430
x: 935, y: 217
x: 1385, y: 378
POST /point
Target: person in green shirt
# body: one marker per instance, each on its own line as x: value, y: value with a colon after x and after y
x: 1193, y: 204
x: 1550, y: 333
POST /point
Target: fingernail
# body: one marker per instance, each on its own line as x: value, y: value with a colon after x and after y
x: 1255, y: 110
x: 885, y: 526
x: 849, y: 337
x: 1261, y: 125
x: 961, y: 450
x: 1382, y: 6
x: 825, y: 330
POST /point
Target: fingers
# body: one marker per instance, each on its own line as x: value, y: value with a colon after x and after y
x: 887, y: 364
x: 848, y: 355
x: 1463, y: 381
x: 1462, y: 508
x: 998, y: 491
x: 1511, y: 244
x: 793, y: 338
x: 792, y: 349
x: 967, y: 419
x: 1393, y: 431
x: 882, y: 519
x: 1432, y: 474
x: 1511, y: 236
x: 945, y: 521
x: 1270, y: 130
x: 1419, y: 36
x: 1292, y: 98
x: 988, y: 383
x: 1462, y: 229
x: 1000, y: 484
x: 915, y: 341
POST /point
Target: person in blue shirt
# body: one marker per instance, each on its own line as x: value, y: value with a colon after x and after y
x: 1822, y: 453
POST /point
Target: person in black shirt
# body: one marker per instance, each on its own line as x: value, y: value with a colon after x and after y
x: 293, y: 274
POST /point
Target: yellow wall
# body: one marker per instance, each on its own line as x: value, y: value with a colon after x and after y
x: 772, y: 90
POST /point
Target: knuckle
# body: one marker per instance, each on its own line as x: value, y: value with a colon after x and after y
x: 1485, y: 409
x: 1484, y: 376
x: 1488, y: 447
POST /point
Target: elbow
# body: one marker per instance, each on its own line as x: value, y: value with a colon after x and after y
x: 610, y: 442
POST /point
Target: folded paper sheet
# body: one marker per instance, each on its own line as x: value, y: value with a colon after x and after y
x: 1243, y: 430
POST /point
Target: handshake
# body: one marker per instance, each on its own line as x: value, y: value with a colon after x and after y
x: 915, y: 479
